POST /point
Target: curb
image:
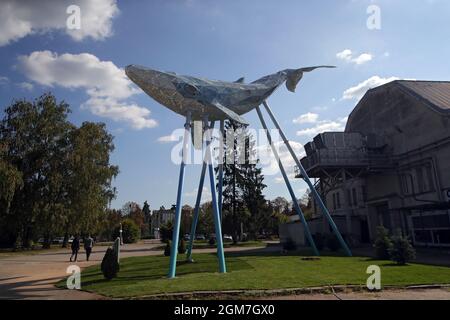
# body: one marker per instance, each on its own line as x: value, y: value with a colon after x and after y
x: 246, y: 294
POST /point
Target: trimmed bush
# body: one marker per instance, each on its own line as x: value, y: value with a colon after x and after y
x: 289, y: 245
x: 332, y: 243
x: 212, y: 241
x: 319, y: 240
x: 401, y: 251
x: 168, y: 248
x: 383, y: 244
x: 166, y: 231
x: 130, y: 231
x: 109, y: 265
x: 182, y: 247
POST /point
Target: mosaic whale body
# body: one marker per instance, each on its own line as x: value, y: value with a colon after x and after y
x: 218, y: 100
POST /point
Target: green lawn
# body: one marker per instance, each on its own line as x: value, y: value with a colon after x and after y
x: 204, y: 244
x: 141, y: 276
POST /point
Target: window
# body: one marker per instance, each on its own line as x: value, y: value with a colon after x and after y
x: 404, y: 179
x: 420, y: 182
x: 334, y: 201
x: 338, y: 199
x: 430, y: 180
x: 364, y: 193
x: 355, y: 197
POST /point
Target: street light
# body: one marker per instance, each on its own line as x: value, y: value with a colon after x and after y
x: 120, y: 234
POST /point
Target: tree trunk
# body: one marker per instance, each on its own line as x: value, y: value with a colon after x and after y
x: 66, y: 240
x: 47, y: 242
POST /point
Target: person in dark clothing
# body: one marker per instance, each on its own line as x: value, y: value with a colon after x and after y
x: 75, y: 248
x: 88, y: 245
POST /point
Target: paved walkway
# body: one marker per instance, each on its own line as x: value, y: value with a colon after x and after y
x: 416, y: 294
x: 34, y: 276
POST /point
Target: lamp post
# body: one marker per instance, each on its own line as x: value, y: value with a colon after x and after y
x: 120, y: 234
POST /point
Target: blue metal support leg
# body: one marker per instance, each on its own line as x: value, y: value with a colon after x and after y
x: 196, y: 214
x: 197, y: 208
x: 309, y: 183
x: 288, y: 185
x: 218, y: 226
x: 221, y: 160
x: 176, y: 227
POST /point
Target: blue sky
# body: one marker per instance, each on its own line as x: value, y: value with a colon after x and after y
x: 215, y: 39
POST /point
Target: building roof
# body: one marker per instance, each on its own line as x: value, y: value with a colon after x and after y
x: 434, y: 93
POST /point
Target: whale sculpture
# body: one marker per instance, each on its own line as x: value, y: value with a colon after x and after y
x: 219, y: 100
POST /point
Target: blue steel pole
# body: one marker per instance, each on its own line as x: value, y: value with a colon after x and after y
x: 309, y: 183
x: 197, y: 209
x: 288, y: 185
x: 196, y: 213
x: 176, y: 228
x: 221, y: 154
x: 218, y: 227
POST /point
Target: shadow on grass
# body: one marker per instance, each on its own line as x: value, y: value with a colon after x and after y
x: 156, y: 267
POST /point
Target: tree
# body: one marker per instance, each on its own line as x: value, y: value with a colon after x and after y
x: 383, y: 243
x: 35, y: 134
x: 59, y: 175
x: 206, y: 219
x: 402, y: 251
x: 146, y: 211
x: 130, y: 231
x: 91, y: 174
x: 242, y: 183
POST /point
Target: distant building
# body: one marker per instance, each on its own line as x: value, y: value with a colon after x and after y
x: 390, y: 167
x: 159, y: 218
x: 163, y: 216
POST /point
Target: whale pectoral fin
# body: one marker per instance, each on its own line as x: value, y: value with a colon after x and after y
x: 240, y: 80
x: 229, y: 113
x: 294, y: 76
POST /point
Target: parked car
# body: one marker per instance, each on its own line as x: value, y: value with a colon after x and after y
x: 200, y: 237
x: 187, y: 236
x: 227, y: 237
x: 58, y: 240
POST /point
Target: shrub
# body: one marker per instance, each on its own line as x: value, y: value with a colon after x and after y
x: 332, y: 243
x: 168, y: 248
x: 401, y: 251
x: 182, y: 247
x: 319, y: 241
x: 166, y: 231
x: 383, y: 243
x: 289, y: 245
x: 109, y: 265
x: 212, y: 241
x: 130, y: 231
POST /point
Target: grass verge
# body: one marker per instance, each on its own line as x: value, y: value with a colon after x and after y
x: 142, y: 276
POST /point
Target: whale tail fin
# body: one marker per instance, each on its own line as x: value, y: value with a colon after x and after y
x: 295, y: 75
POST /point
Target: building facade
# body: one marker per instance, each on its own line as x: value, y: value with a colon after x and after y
x: 390, y: 167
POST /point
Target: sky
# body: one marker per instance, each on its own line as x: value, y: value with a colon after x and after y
x: 79, y: 54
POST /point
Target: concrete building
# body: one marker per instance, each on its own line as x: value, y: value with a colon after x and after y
x: 390, y: 167
x: 159, y: 218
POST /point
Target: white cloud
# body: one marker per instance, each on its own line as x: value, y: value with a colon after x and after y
x: 358, y: 91
x: 170, y: 138
x: 347, y: 55
x: 362, y: 58
x: 106, y: 85
x: 306, y: 118
x: 206, y: 194
x: 26, y: 86
x: 269, y: 163
x: 25, y: 17
x: 4, y: 80
x: 324, y: 125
